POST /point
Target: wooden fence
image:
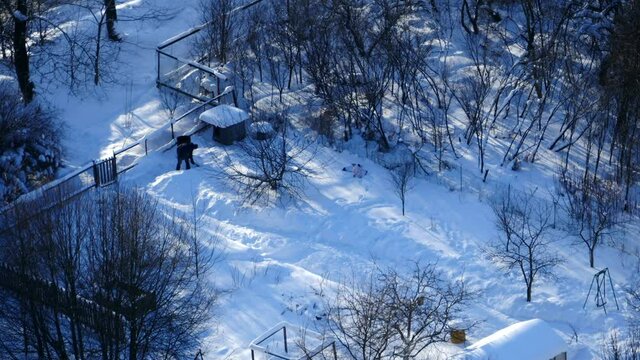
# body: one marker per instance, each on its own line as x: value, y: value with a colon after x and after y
x: 88, y: 313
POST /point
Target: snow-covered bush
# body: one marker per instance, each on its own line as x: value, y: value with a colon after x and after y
x: 30, y: 146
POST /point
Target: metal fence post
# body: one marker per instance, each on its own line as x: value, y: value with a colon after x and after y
x: 114, y: 168
x: 145, y: 147
x: 286, y: 349
x: 158, y: 74
x: 96, y: 174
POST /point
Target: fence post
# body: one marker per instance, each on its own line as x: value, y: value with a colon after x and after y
x: 145, y: 147
x: 158, y: 74
x: 114, y: 168
x: 286, y: 349
x: 96, y: 174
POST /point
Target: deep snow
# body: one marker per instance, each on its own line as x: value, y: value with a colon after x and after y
x: 276, y: 258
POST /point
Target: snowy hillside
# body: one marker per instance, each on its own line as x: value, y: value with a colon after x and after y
x: 279, y: 261
x: 275, y: 258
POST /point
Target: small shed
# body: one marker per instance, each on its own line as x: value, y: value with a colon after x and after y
x: 228, y: 122
x: 527, y: 340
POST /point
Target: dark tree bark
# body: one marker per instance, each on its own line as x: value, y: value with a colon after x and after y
x: 112, y: 17
x: 21, y: 54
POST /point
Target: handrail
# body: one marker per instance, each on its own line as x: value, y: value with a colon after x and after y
x: 174, y: 39
x: 138, y: 142
x: 229, y: 89
x: 127, y: 148
x: 196, y: 65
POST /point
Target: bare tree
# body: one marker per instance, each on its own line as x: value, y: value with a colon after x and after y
x: 620, y: 77
x: 402, y: 179
x: 523, y: 247
x: 170, y: 100
x: 265, y: 170
x: 474, y: 95
x: 203, y: 249
x: 141, y: 267
x: 277, y: 70
x: 359, y: 318
x: 83, y: 56
x: 107, y: 275
x: 19, y: 11
x: 626, y: 347
x: 388, y: 314
x: 220, y: 21
x: 424, y: 306
x: 593, y: 208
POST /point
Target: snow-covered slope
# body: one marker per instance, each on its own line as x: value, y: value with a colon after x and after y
x: 276, y: 258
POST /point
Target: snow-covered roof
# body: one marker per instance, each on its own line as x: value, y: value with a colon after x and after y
x: 527, y: 340
x: 224, y: 116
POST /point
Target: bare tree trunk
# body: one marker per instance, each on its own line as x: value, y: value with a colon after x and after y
x: 112, y: 17
x: 21, y: 54
x: 96, y: 61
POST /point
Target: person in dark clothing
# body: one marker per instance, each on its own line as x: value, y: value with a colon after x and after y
x: 185, y: 153
x: 193, y: 147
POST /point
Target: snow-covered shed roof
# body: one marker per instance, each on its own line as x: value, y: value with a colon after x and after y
x: 224, y: 116
x: 527, y: 340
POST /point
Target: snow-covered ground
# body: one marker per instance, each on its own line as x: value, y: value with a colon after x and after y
x: 275, y: 258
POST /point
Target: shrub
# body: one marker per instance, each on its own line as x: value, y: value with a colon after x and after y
x: 30, y: 148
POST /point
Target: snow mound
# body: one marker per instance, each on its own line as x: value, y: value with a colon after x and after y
x: 527, y: 340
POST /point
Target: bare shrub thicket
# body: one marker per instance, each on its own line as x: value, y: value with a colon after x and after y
x: 104, y: 275
x: 523, y: 246
x: 388, y: 314
x: 567, y: 83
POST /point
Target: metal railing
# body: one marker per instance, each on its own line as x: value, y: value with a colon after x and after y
x: 105, y: 171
